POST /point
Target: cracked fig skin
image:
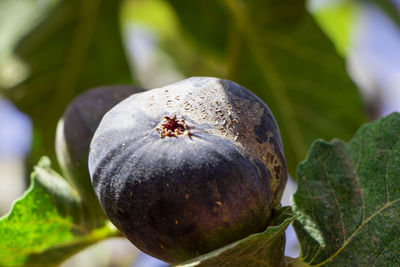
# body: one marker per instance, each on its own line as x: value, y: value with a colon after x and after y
x: 188, y: 168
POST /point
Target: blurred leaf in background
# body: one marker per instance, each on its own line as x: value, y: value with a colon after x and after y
x: 338, y: 18
x: 76, y: 46
x: 160, y: 51
x: 17, y: 18
x: 275, y: 49
x: 367, y: 34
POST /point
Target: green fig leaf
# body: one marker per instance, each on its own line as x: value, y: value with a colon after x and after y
x: 260, y: 249
x: 348, y: 199
x: 48, y: 223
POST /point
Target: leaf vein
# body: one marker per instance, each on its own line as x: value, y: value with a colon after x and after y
x: 347, y: 241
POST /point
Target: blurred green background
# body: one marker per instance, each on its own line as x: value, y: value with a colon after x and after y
x: 303, y: 58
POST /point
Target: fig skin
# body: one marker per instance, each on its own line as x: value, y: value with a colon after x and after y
x: 188, y: 168
x: 73, y: 136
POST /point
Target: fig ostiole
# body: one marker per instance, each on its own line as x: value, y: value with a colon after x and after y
x: 73, y: 136
x: 188, y: 168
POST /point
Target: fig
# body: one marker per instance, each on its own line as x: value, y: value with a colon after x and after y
x: 188, y: 168
x: 74, y: 133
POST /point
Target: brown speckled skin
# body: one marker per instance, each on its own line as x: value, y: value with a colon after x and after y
x: 178, y: 197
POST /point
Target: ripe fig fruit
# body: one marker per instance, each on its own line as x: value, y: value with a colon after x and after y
x: 187, y: 168
x: 74, y: 134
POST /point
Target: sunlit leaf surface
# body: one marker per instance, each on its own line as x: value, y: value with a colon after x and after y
x: 48, y: 224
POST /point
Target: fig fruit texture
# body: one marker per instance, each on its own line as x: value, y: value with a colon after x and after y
x: 75, y: 131
x: 188, y: 168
